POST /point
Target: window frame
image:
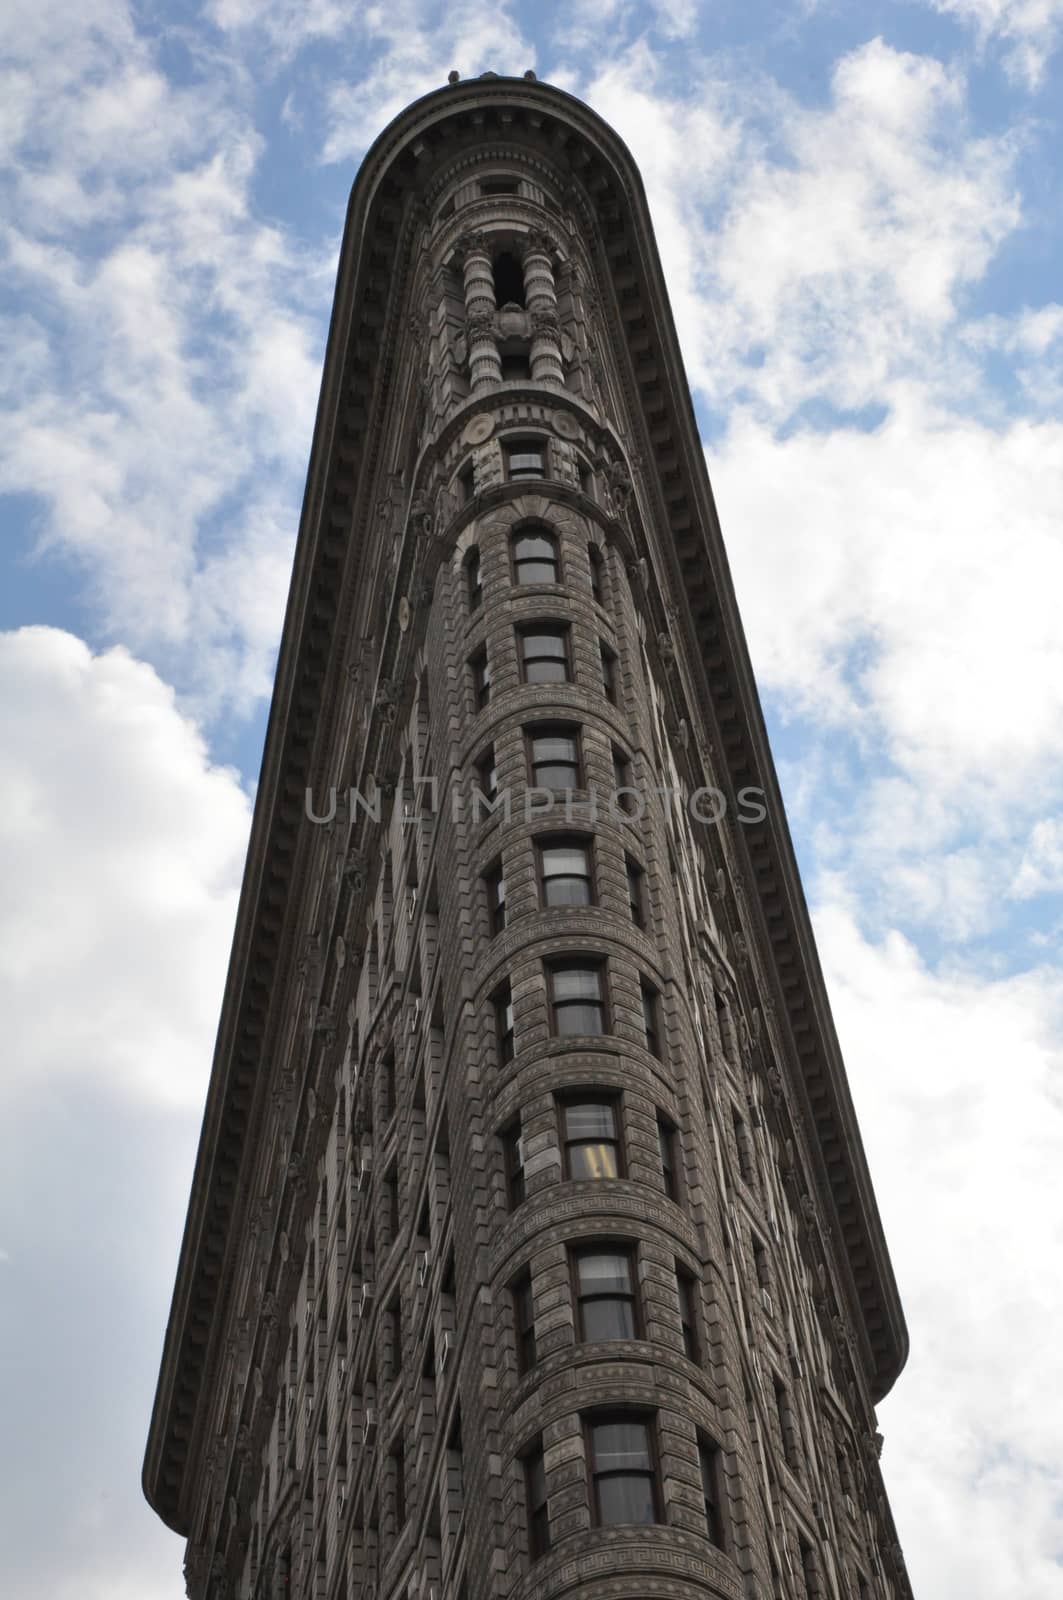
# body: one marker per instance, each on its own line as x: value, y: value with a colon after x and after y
x: 523, y: 1301
x: 594, y: 1420
x: 546, y: 629
x: 710, y: 1468
x: 505, y: 1037
x: 534, y: 530
x: 494, y: 882
x: 560, y: 841
x: 480, y: 668
x: 599, y: 1098
x: 652, y: 1017
x: 555, y: 965
x: 586, y: 1250
x: 553, y: 730
x: 667, y: 1136
x: 472, y: 567
x: 636, y: 885
x: 689, y: 1323
x: 537, y: 1511
x: 513, y: 1164
x: 532, y: 445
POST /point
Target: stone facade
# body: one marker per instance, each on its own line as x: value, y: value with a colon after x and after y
x: 531, y: 1249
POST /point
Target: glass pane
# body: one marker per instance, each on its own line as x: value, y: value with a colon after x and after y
x: 565, y: 859
x: 608, y: 1319
x: 626, y: 1499
x: 536, y: 1481
x: 592, y: 1161
x: 577, y: 983
x: 533, y: 547
x: 536, y: 572
x: 621, y: 1446
x: 557, y: 775
x: 567, y: 892
x: 606, y: 1273
x: 544, y: 644
x: 558, y: 747
x: 578, y: 1016
x: 545, y: 671
x: 590, y: 1120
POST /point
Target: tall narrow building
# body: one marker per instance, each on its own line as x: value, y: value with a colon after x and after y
x: 531, y: 1249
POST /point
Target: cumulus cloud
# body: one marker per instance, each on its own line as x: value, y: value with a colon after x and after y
x: 166, y: 364
x: 121, y: 850
x: 957, y: 1084
x: 1028, y: 30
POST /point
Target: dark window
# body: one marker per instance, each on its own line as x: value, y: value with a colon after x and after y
x: 473, y: 580
x: 513, y: 1153
x: 620, y: 1453
x: 709, y: 1460
x: 809, y: 1569
x: 669, y: 1169
x: 524, y: 1322
x: 502, y: 1000
x: 608, y: 673
x: 538, y: 1514
x: 597, y: 566
x: 526, y: 460
x: 535, y: 558
x: 516, y: 368
x: 651, y: 1008
x: 744, y: 1147
x: 495, y: 885
x: 576, y: 1001
x: 481, y: 678
x: 622, y: 781
x: 398, y: 1478
x: 760, y: 1265
x: 498, y: 186
x: 388, y: 1093
x: 565, y: 874
x: 467, y: 483
x: 634, y: 892
x: 688, y: 1312
x: 509, y: 275
x: 605, y: 1294
x: 391, y: 1190
x: 786, y: 1424
x: 487, y: 774
x: 591, y: 1139
x: 553, y: 757
x: 544, y: 654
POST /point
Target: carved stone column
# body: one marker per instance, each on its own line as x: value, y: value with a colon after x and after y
x: 485, y: 362
x: 540, y: 296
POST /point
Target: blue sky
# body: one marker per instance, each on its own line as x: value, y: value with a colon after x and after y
x: 858, y: 210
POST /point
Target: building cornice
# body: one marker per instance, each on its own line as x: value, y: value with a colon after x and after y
x: 341, y: 474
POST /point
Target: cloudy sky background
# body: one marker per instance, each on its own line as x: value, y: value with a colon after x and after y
x: 858, y: 208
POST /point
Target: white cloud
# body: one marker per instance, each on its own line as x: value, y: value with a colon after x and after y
x: 168, y: 365
x: 121, y: 849
x: 957, y: 1083
x: 1029, y: 29
x: 815, y: 253
x: 1041, y: 868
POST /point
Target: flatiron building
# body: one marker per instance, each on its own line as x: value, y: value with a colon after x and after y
x: 531, y: 1249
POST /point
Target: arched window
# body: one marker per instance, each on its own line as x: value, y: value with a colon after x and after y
x: 535, y: 556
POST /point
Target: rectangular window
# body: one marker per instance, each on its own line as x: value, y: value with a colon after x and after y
x: 524, y: 1322
x: 651, y: 1012
x: 473, y: 579
x: 688, y: 1312
x: 709, y: 1461
x: 590, y: 1138
x: 609, y: 673
x: 467, y: 483
x: 577, y: 1002
x: 787, y: 1426
x: 744, y: 1147
x: 391, y: 1194
x: 566, y: 877
x: 398, y: 1480
x: 535, y: 557
x: 513, y: 1152
x: 544, y: 655
x: 635, y: 892
x: 554, y: 758
x: 525, y: 459
x: 538, y: 1513
x: 487, y: 774
x: 605, y: 1293
x: 495, y: 889
x: 624, y: 797
x: 669, y: 1169
x: 481, y: 678
x: 516, y: 368
x: 623, y: 1475
x: 502, y: 1000
x: 597, y: 566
